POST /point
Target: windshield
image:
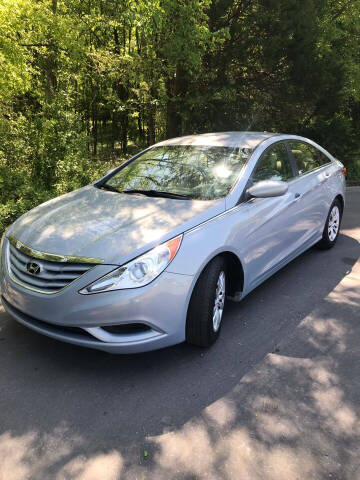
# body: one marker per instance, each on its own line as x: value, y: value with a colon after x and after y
x: 198, y: 172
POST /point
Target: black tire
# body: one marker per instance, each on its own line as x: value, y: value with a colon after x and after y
x: 199, y: 323
x: 327, y: 242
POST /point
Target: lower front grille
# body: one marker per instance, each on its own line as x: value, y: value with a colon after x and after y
x: 49, y: 327
x: 118, y: 333
x: 41, y: 275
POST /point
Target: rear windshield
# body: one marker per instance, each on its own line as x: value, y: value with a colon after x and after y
x: 199, y: 172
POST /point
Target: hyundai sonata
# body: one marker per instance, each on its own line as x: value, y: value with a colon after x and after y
x: 147, y: 256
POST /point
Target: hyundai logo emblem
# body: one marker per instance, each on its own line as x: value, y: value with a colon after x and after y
x: 33, y: 268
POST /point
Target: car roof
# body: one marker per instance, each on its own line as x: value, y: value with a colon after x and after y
x: 221, y: 139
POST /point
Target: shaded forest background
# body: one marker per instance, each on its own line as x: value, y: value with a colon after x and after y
x: 85, y: 83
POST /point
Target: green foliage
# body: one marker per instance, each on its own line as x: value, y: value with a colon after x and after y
x: 19, y: 191
x: 83, y: 84
x: 353, y: 171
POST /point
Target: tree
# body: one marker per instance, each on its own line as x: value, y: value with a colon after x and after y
x: 84, y: 82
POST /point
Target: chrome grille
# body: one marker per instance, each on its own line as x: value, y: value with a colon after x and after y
x: 53, y: 275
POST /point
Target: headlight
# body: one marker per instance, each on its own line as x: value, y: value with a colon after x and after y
x: 139, y: 272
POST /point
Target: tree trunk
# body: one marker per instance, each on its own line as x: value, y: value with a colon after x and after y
x: 175, y: 88
x: 173, y: 118
x: 140, y: 126
x: 94, y: 129
x: 124, y: 133
x: 51, y: 80
x: 151, y: 125
x: 114, y: 129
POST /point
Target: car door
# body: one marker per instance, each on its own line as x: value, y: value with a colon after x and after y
x: 311, y: 184
x: 271, y: 234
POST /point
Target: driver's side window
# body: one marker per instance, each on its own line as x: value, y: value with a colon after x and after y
x: 273, y: 165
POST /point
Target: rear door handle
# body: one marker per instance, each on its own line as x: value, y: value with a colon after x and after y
x: 325, y: 177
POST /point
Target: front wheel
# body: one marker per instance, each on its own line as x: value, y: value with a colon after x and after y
x: 207, y: 304
x: 332, y: 226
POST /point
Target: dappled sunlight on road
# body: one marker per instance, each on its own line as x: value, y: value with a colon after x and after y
x: 325, y: 333
x: 347, y: 292
x: 32, y: 456
x: 234, y: 454
x: 103, y: 466
x: 188, y: 450
x: 257, y: 432
x: 248, y: 459
x: 338, y: 416
x: 351, y: 232
x: 222, y: 412
x: 277, y: 444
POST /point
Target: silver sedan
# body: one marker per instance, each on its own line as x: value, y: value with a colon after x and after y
x: 147, y: 256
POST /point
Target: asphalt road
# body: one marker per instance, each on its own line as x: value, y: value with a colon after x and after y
x: 277, y: 397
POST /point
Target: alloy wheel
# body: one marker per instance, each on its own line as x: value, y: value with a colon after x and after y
x: 334, y: 223
x: 219, y: 301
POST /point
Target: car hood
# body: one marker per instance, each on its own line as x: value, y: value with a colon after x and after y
x: 114, y: 227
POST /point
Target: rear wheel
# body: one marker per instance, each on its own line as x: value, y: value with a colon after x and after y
x: 332, y: 226
x: 207, y: 304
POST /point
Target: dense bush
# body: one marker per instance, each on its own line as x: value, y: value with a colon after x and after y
x: 43, y: 156
x: 353, y: 172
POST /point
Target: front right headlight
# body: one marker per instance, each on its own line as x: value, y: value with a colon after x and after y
x: 138, y: 272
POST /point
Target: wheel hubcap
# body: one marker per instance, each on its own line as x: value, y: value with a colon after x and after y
x: 219, y: 301
x: 334, y: 222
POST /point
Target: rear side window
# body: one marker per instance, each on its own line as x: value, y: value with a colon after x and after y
x: 324, y: 159
x: 273, y: 165
x: 306, y: 156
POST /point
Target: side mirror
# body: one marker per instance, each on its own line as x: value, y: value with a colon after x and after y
x: 268, y: 188
x: 109, y: 171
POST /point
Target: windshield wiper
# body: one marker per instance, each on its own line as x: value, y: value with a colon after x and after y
x: 158, y: 193
x: 109, y: 187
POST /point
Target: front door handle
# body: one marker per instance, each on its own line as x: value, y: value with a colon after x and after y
x: 296, y: 198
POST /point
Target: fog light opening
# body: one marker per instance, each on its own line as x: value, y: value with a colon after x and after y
x: 126, y: 329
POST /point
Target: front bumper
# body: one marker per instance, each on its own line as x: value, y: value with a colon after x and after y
x: 74, y: 318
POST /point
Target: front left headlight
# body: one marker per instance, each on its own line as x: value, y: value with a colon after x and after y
x: 139, y: 272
